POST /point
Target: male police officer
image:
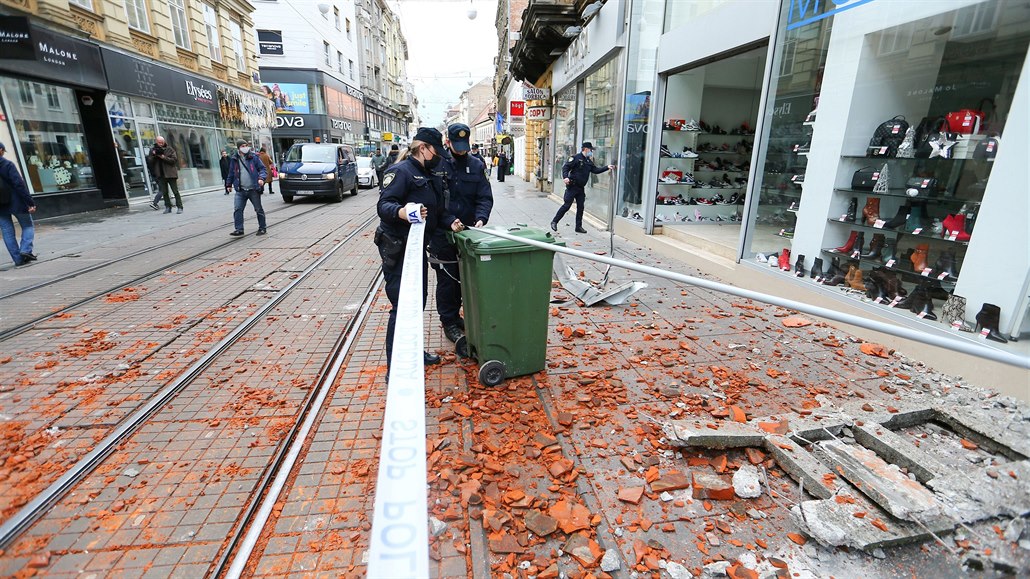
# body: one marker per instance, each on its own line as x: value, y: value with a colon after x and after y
x: 575, y: 173
x: 475, y: 153
x: 470, y: 201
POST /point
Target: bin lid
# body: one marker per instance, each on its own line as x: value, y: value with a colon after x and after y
x: 479, y: 243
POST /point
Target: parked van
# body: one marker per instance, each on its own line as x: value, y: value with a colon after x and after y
x: 318, y: 170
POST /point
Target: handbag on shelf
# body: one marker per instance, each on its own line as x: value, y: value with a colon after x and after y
x: 965, y: 121
x: 987, y: 148
x: 888, y: 137
x: 865, y: 179
x: 916, y: 186
x: 931, y: 131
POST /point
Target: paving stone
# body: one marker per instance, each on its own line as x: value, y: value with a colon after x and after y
x: 972, y: 495
x: 881, y: 481
x: 834, y: 524
x: 802, y: 466
x: 982, y: 427
x: 899, y: 451
x: 726, y: 434
x: 711, y: 486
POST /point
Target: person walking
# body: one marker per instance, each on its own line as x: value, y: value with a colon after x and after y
x: 267, y: 161
x: 164, y: 166
x: 410, y: 192
x: 575, y: 173
x: 470, y: 201
x: 502, y: 166
x: 16, y: 203
x: 379, y: 165
x: 475, y: 153
x: 247, y: 176
x: 223, y: 165
x: 391, y: 157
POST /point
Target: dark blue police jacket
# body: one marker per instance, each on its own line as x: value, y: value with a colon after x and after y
x: 469, y: 196
x: 578, y: 169
x: 409, y: 182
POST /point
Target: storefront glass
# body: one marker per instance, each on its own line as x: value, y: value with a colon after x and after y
x: 600, y: 128
x: 678, y: 13
x: 565, y: 144
x: 49, y: 135
x: 199, y: 145
x: 882, y: 128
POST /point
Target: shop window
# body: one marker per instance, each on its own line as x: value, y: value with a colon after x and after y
x: 348, y: 30
x: 328, y: 54
x: 236, y: 33
x: 975, y: 20
x: 180, y: 23
x: 87, y: 4
x: 599, y: 127
x: 136, y: 14
x: 214, y: 42
x: 336, y: 17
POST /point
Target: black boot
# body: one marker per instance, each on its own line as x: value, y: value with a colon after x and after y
x: 799, y: 266
x: 875, y: 246
x: 946, y: 264
x: 889, y: 248
x: 899, y: 219
x: 988, y: 319
x: 859, y: 244
x: 852, y: 210
x: 915, y: 217
x: 833, y: 270
x: 817, y: 268
x: 926, y: 309
x: 912, y: 299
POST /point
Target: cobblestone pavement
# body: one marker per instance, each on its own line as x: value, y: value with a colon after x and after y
x: 566, y: 471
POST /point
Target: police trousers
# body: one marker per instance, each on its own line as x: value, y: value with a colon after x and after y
x: 448, y: 280
x: 572, y: 193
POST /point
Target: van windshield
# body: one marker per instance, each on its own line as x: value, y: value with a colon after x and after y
x: 312, y: 154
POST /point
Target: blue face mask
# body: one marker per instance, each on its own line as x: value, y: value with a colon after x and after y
x: 589, y: 153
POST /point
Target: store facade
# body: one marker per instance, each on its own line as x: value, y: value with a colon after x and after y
x: 313, y: 107
x: 52, y: 119
x: 197, y: 116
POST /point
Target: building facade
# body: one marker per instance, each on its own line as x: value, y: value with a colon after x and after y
x: 383, y: 55
x: 87, y: 86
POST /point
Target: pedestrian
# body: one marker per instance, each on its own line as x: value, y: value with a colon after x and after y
x: 267, y: 161
x: 575, y: 173
x: 164, y: 166
x: 379, y: 164
x: 469, y: 201
x: 407, y: 184
x: 223, y: 164
x: 475, y: 153
x: 16, y: 203
x: 247, y: 176
x: 502, y: 166
x: 391, y: 157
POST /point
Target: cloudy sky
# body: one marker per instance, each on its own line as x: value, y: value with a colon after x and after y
x: 446, y: 50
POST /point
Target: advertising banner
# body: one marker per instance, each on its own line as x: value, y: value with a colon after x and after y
x: 288, y: 97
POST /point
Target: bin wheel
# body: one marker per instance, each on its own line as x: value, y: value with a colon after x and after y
x: 491, y: 373
x: 461, y: 347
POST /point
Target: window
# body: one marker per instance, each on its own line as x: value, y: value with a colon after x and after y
x: 351, y: 66
x: 53, y: 99
x: 236, y: 33
x: 87, y: 4
x: 348, y: 27
x: 336, y: 18
x: 214, y: 42
x: 790, y: 45
x: 136, y: 12
x: 328, y: 53
x: 25, y: 94
x: 180, y: 23
x: 339, y: 61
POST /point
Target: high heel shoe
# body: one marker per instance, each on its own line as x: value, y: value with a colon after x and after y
x: 875, y: 246
x: 852, y: 210
x: 850, y: 243
x: 799, y: 266
x: 817, y: 268
x: 989, y: 318
x: 899, y: 218
x: 919, y: 257
x: 871, y: 211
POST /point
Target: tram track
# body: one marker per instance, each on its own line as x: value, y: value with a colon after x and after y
x: 13, y: 527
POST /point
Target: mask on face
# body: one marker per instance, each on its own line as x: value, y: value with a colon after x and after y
x: 244, y: 150
x: 589, y: 153
x: 432, y: 162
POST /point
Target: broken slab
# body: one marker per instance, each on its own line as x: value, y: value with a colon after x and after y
x: 894, y: 414
x: 972, y: 494
x: 710, y: 486
x: 801, y: 466
x: 724, y: 434
x: 897, y: 450
x: 982, y: 429
x: 834, y: 523
x: 881, y: 481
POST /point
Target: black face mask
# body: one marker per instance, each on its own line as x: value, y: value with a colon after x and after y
x: 432, y: 162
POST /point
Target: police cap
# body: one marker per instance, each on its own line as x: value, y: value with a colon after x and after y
x: 588, y: 145
x: 458, y: 134
x: 430, y: 136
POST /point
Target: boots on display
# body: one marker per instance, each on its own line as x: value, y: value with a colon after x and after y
x: 871, y: 211
x: 854, y: 277
x: 955, y: 225
x: 946, y: 264
x: 859, y: 243
x: 874, y: 284
x: 919, y: 257
x: 852, y: 210
x: 988, y: 319
x: 846, y: 248
x: 915, y: 218
x: 817, y: 268
x: 970, y: 220
x: 876, y: 246
x: 924, y: 307
x: 785, y: 259
x: 953, y: 313
x: 889, y: 249
x: 899, y: 218
x: 799, y: 266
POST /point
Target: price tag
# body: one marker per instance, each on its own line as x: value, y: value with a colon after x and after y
x: 895, y: 301
x: 883, y: 150
x: 781, y: 231
x: 953, y: 236
x: 856, y: 254
x: 942, y: 275
x: 844, y: 217
x: 926, y: 271
x: 921, y: 315
x: 890, y: 263
x: 819, y: 279
x: 984, y: 332
x: 917, y: 231
x: 879, y: 224
x: 878, y: 300
x: 793, y: 205
x: 956, y: 325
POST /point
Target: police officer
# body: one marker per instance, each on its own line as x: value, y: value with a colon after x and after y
x: 469, y: 201
x: 410, y: 180
x: 475, y: 153
x: 575, y: 173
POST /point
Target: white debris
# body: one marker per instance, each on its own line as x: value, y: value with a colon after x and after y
x: 716, y: 569
x: 436, y: 526
x: 1015, y: 529
x: 748, y: 559
x: 677, y: 571
x: 130, y: 472
x: 746, y: 482
x: 524, y: 565
x: 610, y: 561
x: 665, y: 496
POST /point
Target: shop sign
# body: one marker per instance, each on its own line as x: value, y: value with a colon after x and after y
x: 288, y: 97
x: 375, y: 136
x: 531, y: 93
x: 294, y: 122
x: 16, y: 38
x: 354, y: 92
x: 135, y: 76
x: 595, y: 44
x: 517, y: 131
x: 517, y: 109
x: 802, y: 12
x: 387, y: 136
x: 538, y: 113
x: 200, y: 92
x: 270, y: 42
x: 341, y: 124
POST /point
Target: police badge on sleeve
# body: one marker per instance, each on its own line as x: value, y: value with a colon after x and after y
x: 387, y: 179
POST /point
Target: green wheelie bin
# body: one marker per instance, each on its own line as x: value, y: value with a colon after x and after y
x: 505, y: 289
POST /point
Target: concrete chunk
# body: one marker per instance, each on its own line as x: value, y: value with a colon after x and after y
x: 982, y: 429
x: 727, y: 434
x: 884, y: 483
x: 894, y: 415
x: 973, y: 495
x: 835, y: 524
x: 899, y: 451
x: 802, y: 466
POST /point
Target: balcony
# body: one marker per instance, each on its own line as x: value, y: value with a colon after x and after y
x: 542, y: 38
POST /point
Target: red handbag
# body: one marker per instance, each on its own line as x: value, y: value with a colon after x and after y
x: 965, y: 121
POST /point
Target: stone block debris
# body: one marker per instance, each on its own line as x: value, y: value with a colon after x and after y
x: 747, y: 483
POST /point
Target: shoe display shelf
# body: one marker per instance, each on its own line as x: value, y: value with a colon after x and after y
x: 784, y: 178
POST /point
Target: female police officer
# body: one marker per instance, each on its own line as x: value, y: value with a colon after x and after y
x: 410, y: 180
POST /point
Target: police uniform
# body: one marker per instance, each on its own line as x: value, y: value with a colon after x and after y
x: 407, y: 181
x: 469, y: 199
x: 578, y: 170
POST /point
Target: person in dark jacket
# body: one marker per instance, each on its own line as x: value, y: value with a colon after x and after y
x: 164, y: 166
x: 247, y: 176
x: 223, y: 164
x: 19, y: 206
x: 502, y: 166
x: 391, y: 157
x: 470, y: 200
x: 410, y: 191
x: 575, y: 173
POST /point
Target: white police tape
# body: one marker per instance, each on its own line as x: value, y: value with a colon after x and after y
x: 399, y: 546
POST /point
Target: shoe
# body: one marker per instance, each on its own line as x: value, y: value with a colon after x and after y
x: 817, y: 268
x: 988, y: 319
x: 28, y: 257
x: 453, y: 332
x: 554, y: 226
x: 846, y: 248
x: 179, y: 210
x: 919, y: 257
x: 23, y: 263
x: 155, y: 207
x: 899, y: 218
x: 871, y: 211
x: 784, y: 260
x: 852, y: 210
x: 237, y: 233
x: 876, y: 246
x: 429, y: 358
x: 580, y: 230
x: 168, y: 209
x: 261, y: 231
x: 854, y: 277
x: 799, y: 266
